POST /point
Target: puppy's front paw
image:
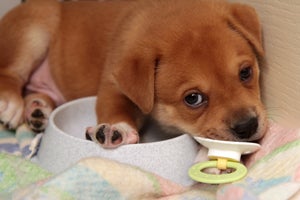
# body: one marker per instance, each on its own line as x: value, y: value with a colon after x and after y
x: 37, y: 112
x: 11, y: 110
x: 112, y: 136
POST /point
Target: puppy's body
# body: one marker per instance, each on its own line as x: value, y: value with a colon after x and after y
x: 192, y: 65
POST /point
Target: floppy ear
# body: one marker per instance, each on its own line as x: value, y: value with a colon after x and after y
x: 245, y: 21
x: 134, y: 76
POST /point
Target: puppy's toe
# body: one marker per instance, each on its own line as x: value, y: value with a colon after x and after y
x: 37, y: 114
x: 11, y: 112
x: 112, y: 136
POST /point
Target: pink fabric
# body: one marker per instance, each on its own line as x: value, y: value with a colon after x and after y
x: 276, y: 136
x: 41, y: 81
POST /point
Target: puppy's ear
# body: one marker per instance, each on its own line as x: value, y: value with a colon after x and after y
x: 245, y: 21
x: 134, y: 77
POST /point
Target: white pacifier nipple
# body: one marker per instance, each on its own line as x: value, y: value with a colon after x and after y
x: 227, y: 149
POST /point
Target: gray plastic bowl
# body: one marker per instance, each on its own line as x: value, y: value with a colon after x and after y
x: 64, y: 144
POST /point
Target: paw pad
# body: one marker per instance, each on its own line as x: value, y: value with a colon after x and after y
x: 37, y: 114
x: 112, y: 136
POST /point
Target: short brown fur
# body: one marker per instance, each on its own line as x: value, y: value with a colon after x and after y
x: 140, y: 58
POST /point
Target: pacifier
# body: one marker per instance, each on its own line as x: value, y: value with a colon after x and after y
x: 223, y: 155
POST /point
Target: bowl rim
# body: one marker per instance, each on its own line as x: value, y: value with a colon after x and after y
x: 59, y: 131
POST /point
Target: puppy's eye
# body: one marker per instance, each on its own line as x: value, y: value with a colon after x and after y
x: 195, y: 99
x: 246, y: 73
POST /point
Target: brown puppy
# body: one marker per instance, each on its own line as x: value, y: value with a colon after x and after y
x: 192, y: 65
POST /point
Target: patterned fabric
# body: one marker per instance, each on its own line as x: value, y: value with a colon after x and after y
x: 275, y: 176
x: 16, y: 143
x: 273, y: 173
x: 16, y: 172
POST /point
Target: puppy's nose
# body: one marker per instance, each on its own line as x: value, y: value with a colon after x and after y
x: 246, y: 128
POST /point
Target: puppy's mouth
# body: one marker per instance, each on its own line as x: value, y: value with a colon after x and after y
x: 250, y: 129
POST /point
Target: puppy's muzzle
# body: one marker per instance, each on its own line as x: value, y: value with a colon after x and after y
x: 245, y: 128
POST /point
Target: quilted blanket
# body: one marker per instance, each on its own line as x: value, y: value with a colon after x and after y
x: 273, y: 173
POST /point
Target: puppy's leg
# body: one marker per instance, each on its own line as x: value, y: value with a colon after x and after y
x: 24, y: 40
x: 118, y: 119
x: 38, y: 107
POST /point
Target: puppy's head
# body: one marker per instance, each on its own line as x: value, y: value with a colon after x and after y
x: 196, y: 71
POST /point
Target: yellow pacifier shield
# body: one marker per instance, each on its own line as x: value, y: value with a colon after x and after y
x: 197, y: 174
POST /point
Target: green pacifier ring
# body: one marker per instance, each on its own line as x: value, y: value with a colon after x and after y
x: 197, y: 174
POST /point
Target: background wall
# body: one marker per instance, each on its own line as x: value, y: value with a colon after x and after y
x: 5, y: 5
x: 281, y: 73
